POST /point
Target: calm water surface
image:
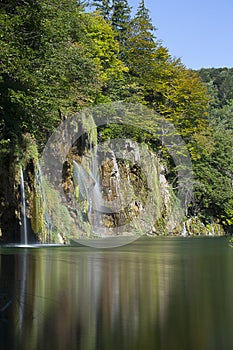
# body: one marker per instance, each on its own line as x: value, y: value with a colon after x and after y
x: 156, y: 293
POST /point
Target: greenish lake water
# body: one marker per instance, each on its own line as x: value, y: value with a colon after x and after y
x: 155, y: 293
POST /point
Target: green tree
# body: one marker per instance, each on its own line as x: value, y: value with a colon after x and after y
x: 141, y: 44
x: 46, y: 70
x: 120, y: 21
x: 214, y: 169
x: 214, y: 177
x: 104, y: 7
x: 117, y: 13
x: 104, y: 50
x: 164, y: 83
x: 219, y: 82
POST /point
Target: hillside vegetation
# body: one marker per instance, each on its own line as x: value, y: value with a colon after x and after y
x: 57, y: 58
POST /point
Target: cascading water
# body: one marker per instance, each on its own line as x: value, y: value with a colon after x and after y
x: 89, y: 190
x: 115, y: 182
x: 24, y: 239
x: 81, y: 180
x: 184, y: 232
x: 96, y: 198
x: 47, y: 224
x: 104, y: 191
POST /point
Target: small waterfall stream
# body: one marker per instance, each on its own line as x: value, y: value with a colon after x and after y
x: 47, y: 225
x: 115, y: 183
x: 89, y: 189
x: 184, y: 232
x: 24, y: 239
x: 80, y: 180
x: 96, y: 198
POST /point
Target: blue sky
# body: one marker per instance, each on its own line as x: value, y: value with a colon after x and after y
x: 198, y: 32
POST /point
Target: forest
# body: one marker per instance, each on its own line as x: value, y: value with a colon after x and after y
x: 58, y: 57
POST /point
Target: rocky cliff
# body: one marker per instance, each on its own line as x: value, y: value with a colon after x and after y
x: 105, y: 188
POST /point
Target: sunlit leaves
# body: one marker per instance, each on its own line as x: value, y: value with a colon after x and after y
x: 45, y: 72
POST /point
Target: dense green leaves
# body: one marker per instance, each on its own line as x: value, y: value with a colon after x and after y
x: 45, y: 72
x: 214, y: 166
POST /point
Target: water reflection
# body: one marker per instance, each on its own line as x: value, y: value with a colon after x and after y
x: 153, y: 294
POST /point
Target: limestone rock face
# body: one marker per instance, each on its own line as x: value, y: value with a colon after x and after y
x: 113, y: 188
x: 129, y: 190
x: 105, y: 192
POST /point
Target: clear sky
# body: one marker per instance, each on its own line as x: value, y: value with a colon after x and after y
x: 198, y: 32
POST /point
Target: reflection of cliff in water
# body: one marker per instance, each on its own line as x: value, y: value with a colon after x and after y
x: 124, y: 298
x: 82, y: 298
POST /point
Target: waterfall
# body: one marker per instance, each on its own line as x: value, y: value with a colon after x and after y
x: 184, y: 231
x: 81, y: 178
x: 86, y: 177
x: 98, y: 206
x: 97, y: 190
x: 24, y: 239
x: 89, y: 190
x: 115, y: 182
x: 96, y: 209
x: 47, y: 225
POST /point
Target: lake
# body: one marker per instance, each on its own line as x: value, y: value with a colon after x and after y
x: 155, y: 293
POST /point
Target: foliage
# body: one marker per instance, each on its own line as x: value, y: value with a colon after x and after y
x: 44, y: 71
x: 104, y: 50
x: 104, y: 7
x: 213, y: 168
x: 56, y: 59
x: 141, y: 46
